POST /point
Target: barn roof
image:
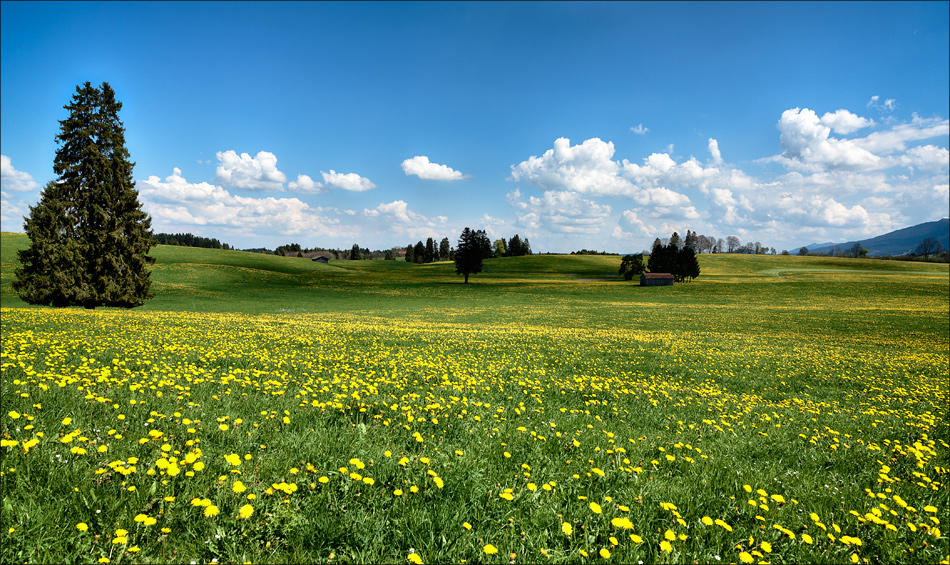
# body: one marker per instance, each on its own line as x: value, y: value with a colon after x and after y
x: 658, y: 275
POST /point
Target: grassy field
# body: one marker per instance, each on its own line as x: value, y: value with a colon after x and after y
x: 269, y: 409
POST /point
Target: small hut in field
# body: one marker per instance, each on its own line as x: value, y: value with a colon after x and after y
x: 656, y: 279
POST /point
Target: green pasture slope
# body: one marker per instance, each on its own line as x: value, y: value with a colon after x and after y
x: 799, y: 401
x: 560, y: 290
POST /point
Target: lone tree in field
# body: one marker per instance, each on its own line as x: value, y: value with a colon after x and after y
x: 473, y: 246
x: 89, y: 236
x: 632, y: 266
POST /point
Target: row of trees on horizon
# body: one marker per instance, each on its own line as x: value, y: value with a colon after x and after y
x: 428, y: 252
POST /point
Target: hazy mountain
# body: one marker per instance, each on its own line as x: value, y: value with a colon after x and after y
x: 899, y: 242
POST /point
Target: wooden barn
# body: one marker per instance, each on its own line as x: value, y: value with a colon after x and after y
x: 320, y: 259
x: 656, y: 279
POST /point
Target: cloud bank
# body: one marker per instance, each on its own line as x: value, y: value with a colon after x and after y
x: 840, y: 173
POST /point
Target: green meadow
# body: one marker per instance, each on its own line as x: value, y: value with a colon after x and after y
x: 264, y: 409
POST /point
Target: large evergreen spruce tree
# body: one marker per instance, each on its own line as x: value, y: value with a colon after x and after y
x: 89, y: 236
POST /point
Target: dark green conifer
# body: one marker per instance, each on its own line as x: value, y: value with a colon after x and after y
x: 89, y: 236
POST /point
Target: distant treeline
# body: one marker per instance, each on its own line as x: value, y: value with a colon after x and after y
x: 188, y: 240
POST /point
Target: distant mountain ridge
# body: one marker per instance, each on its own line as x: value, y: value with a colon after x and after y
x: 898, y: 242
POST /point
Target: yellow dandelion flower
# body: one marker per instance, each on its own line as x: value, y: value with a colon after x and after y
x: 82, y: 526
x: 724, y: 525
x: 707, y: 520
x: 665, y: 546
x: 604, y: 553
x: 414, y: 558
x: 211, y: 510
x: 490, y: 549
x: 635, y: 538
x: 624, y: 523
x: 466, y: 525
x: 567, y: 528
x: 595, y: 508
x: 746, y: 558
x: 246, y: 511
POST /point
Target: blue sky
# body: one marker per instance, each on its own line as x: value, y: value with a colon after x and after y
x: 577, y: 125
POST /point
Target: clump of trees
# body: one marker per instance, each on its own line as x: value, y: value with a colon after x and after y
x: 188, y: 240
x: 472, y: 249
x: 429, y: 252
x: 677, y: 257
x: 514, y: 247
x: 89, y: 237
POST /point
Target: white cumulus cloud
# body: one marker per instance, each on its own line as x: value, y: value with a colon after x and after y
x: 844, y: 122
x: 714, y: 151
x: 249, y: 173
x: 639, y: 129
x: 306, y: 185
x: 12, y: 179
x: 587, y: 168
x: 426, y: 170
x: 347, y: 181
x: 807, y: 144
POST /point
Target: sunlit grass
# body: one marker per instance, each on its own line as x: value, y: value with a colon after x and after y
x: 408, y: 418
